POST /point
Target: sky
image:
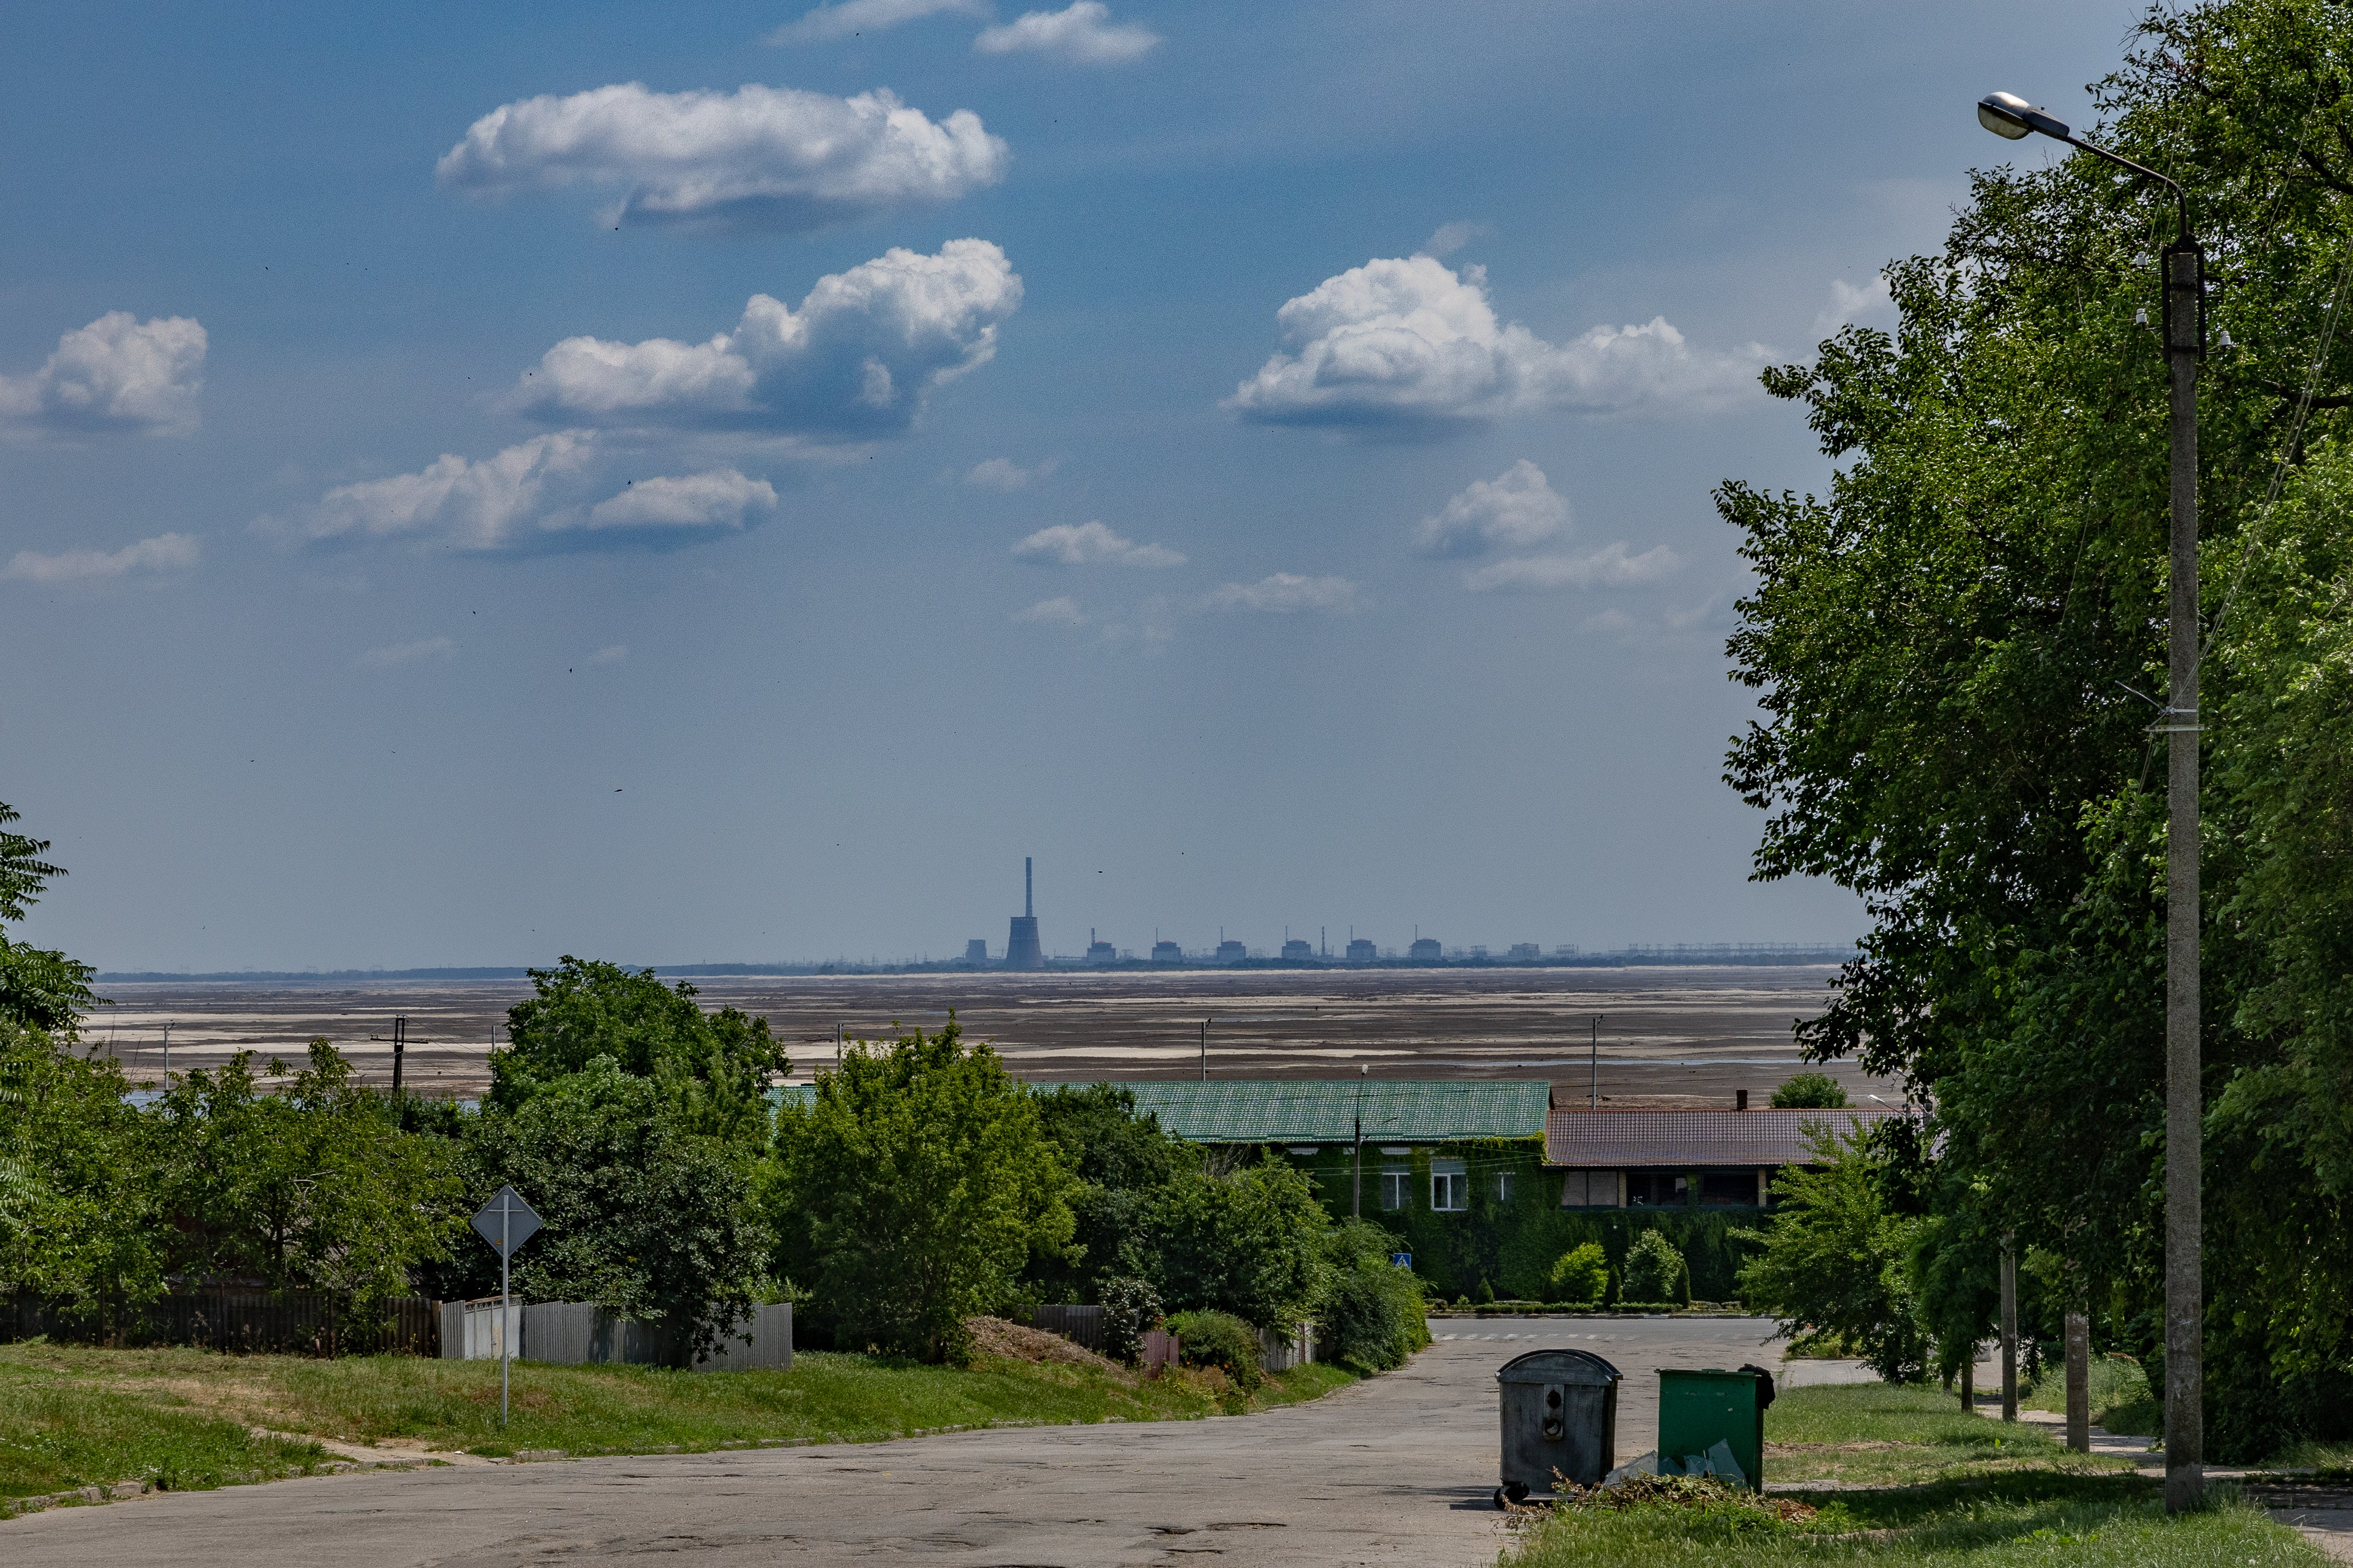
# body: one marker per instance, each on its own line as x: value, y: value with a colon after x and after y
x: 722, y: 482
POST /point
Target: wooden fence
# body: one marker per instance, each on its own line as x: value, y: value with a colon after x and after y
x: 1081, y: 1325
x: 298, y: 1323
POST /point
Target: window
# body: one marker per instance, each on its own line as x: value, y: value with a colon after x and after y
x: 1656, y: 1189
x: 1394, y: 1179
x: 1450, y: 1186
x: 1504, y: 1187
x: 1728, y: 1187
x: 1589, y: 1189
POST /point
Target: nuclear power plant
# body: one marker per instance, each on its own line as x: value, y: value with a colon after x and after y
x: 1022, y: 949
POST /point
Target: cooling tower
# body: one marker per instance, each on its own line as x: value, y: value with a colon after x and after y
x: 1022, y: 950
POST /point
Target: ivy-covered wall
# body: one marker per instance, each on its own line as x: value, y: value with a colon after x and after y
x: 1511, y: 1245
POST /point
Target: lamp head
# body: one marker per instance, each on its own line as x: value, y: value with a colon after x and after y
x: 2004, y: 114
x: 2009, y: 115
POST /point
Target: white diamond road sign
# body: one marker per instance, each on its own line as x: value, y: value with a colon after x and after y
x: 506, y: 1222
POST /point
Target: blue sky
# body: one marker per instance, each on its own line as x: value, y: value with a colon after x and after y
x: 723, y: 481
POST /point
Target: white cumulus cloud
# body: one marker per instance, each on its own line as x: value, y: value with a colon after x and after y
x: 164, y: 552
x: 612, y: 653
x: 1062, y: 611
x: 1517, y: 510
x: 721, y: 499
x: 855, y: 360
x: 1285, y: 593
x: 853, y: 16
x: 117, y: 373
x: 1005, y: 474
x: 1083, y: 34
x: 1871, y: 305
x: 1413, y: 345
x: 1449, y: 237
x: 408, y: 652
x: 1092, y: 545
x: 1612, y: 566
x: 758, y: 158
x: 467, y: 503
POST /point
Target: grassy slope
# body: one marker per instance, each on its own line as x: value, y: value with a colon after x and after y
x: 73, y: 1415
x: 1936, y: 1486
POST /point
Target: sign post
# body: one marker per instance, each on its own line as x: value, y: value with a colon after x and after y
x: 506, y: 1222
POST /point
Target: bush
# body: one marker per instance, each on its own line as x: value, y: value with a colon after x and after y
x: 1810, y: 1092
x: 1656, y: 1271
x: 1582, y: 1275
x: 1131, y: 1309
x: 911, y: 1190
x: 1248, y: 1243
x: 1222, y: 1340
x: 1370, y: 1314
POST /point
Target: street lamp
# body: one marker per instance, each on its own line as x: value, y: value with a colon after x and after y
x: 2184, y: 275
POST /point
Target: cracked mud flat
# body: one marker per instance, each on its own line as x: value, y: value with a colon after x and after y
x: 1397, y: 1470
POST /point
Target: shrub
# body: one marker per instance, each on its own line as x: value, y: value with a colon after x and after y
x: 1582, y: 1275
x: 1131, y: 1309
x: 1810, y: 1092
x: 1370, y: 1313
x: 1248, y: 1243
x: 1656, y: 1271
x: 1222, y: 1340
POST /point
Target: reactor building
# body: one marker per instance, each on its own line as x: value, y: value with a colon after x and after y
x: 1022, y: 950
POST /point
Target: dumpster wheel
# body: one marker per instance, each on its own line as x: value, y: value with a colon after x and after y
x: 1517, y: 1492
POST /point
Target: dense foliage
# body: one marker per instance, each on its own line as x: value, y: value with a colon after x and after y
x: 1370, y: 1313
x: 1809, y: 1091
x: 911, y: 1189
x: 1957, y: 650
x: 1581, y: 1276
x: 1835, y: 1262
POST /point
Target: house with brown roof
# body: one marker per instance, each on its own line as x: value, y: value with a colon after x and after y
x: 1682, y: 1159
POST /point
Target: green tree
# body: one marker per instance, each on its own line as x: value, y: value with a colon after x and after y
x: 40, y: 989
x: 1809, y: 1091
x: 910, y: 1189
x: 715, y: 1066
x: 1957, y: 650
x: 1120, y: 1157
x: 1249, y: 1241
x: 311, y: 1188
x: 1835, y: 1261
x: 1369, y: 1314
x: 1581, y: 1275
x: 645, y: 1215
x: 1656, y: 1271
x: 77, y: 1218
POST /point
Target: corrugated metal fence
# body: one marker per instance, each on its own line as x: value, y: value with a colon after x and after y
x: 1079, y: 1325
x: 297, y: 1322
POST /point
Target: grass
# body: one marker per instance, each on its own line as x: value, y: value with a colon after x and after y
x: 77, y: 1416
x: 57, y: 1435
x: 2120, y: 1398
x: 1885, y: 1434
x: 1924, y: 1482
x: 2028, y: 1517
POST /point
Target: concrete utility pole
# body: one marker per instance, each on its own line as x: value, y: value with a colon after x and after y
x: 1596, y: 1046
x: 2184, y: 280
x: 2079, y: 1381
x: 399, y: 1047
x: 1205, y: 1050
x: 2009, y: 1329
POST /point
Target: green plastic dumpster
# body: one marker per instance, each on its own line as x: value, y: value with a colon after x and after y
x: 1697, y: 1410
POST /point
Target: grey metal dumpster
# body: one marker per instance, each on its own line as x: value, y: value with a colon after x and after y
x: 1560, y: 1416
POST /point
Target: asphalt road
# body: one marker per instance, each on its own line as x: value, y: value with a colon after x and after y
x: 1398, y: 1469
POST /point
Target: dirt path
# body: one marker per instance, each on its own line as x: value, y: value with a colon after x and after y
x: 1397, y: 1470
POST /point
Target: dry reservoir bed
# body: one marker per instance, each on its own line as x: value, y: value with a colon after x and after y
x: 1667, y: 1034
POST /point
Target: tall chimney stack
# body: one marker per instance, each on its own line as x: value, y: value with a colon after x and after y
x: 1027, y: 907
